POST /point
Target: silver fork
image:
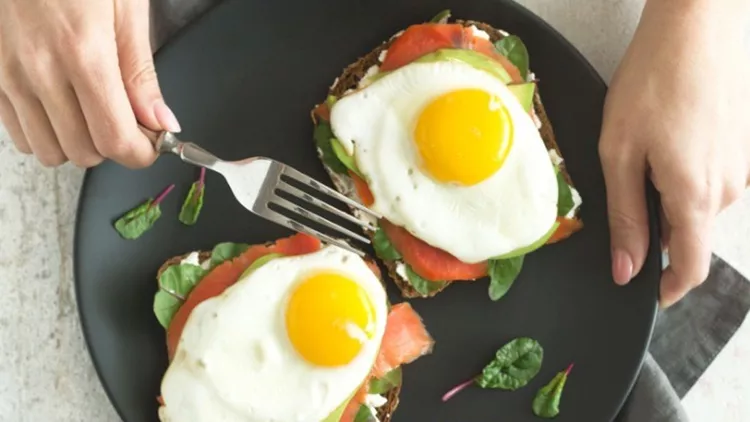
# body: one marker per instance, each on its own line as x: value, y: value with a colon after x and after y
x: 255, y: 182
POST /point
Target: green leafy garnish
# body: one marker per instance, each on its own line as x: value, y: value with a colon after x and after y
x: 323, y: 137
x: 503, y: 273
x: 513, y: 48
x: 175, y: 284
x: 515, y: 364
x: 226, y: 251
x: 383, y: 246
x: 422, y: 286
x: 389, y: 381
x: 547, y: 400
x: 140, y: 219
x: 364, y: 415
x: 441, y: 17
x: 564, y: 196
x: 191, y: 208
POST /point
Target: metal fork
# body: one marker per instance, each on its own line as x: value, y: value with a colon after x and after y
x: 255, y: 182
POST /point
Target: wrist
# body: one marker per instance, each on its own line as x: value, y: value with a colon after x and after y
x: 703, y: 14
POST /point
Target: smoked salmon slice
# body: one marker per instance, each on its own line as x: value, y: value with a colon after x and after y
x: 405, y: 340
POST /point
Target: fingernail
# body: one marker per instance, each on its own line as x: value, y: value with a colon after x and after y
x: 622, y: 267
x: 166, y: 117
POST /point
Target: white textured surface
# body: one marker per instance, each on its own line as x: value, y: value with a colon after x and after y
x: 45, y: 372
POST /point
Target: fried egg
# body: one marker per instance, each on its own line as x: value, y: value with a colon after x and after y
x: 450, y: 154
x: 291, y: 341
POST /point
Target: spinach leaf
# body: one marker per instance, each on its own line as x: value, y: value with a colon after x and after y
x: 387, y: 383
x: 226, y: 251
x: 383, y: 246
x: 323, y: 137
x: 140, y: 219
x: 515, y: 364
x: 193, y: 204
x: 514, y: 49
x: 503, y: 273
x: 422, y: 286
x: 175, y: 284
x: 364, y: 415
x: 441, y: 17
x: 564, y: 196
x: 546, y: 403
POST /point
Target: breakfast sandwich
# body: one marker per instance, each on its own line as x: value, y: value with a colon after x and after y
x: 441, y: 131
x: 287, y: 331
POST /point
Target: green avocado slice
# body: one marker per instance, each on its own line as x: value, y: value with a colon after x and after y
x: 532, y: 247
x: 524, y: 93
x: 470, y: 57
x: 346, y: 159
x: 263, y: 260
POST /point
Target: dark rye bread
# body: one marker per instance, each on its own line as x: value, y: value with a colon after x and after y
x: 385, y: 412
x: 357, y: 70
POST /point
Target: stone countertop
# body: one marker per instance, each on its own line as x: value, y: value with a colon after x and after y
x: 45, y: 371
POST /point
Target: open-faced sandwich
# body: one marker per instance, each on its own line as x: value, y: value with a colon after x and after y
x: 287, y: 331
x: 442, y: 132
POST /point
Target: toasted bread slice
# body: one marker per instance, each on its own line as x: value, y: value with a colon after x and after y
x: 350, y: 79
x: 385, y: 412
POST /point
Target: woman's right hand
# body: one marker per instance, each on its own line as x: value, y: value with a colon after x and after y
x: 76, y: 77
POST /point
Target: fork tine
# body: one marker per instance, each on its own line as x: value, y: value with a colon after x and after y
x: 287, y: 222
x: 289, y: 206
x: 307, y: 180
x: 291, y: 190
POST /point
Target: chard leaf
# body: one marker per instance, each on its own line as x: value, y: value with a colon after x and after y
x: 514, y: 49
x: 226, y: 251
x: 140, y: 219
x: 515, y: 364
x: 389, y: 381
x: 323, y: 137
x: 193, y: 204
x: 546, y: 403
x: 383, y: 246
x: 564, y: 196
x: 503, y: 272
x: 422, y: 286
x: 175, y: 284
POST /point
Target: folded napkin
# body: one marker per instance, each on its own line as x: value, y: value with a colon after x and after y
x: 687, y: 337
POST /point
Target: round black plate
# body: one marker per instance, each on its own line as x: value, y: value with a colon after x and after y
x: 242, y: 80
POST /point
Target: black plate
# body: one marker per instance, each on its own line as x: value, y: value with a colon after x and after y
x: 242, y: 81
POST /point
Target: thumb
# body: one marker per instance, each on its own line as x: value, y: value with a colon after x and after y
x: 137, y: 67
x: 625, y: 178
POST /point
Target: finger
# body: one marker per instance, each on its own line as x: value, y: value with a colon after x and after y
x: 9, y: 119
x: 137, y: 65
x: 624, y: 174
x: 65, y: 115
x: 665, y: 228
x: 689, y: 262
x: 38, y: 131
x: 97, y: 82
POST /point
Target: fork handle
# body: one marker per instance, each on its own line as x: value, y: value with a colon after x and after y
x: 187, y: 151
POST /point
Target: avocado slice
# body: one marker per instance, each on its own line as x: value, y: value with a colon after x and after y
x: 470, y: 57
x: 335, y: 416
x: 532, y: 247
x: 263, y: 260
x: 524, y: 93
x: 346, y: 159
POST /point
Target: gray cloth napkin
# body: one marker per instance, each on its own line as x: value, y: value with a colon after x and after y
x: 687, y: 337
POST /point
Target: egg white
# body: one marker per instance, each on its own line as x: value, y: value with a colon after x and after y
x: 235, y: 362
x: 511, y: 209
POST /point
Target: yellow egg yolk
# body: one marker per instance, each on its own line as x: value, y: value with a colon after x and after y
x: 464, y: 136
x: 328, y: 319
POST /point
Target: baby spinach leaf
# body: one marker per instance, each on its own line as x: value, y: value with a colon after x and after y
x: 364, y: 415
x: 193, y: 204
x: 546, y: 403
x: 383, y: 246
x: 503, y: 273
x: 515, y: 364
x: 226, y: 251
x: 323, y: 137
x: 387, y: 383
x: 140, y: 219
x: 514, y: 49
x: 422, y: 286
x: 441, y: 17
x: 175, y: 284
x: 564, y: 196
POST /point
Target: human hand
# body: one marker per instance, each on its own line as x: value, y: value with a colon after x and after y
x: 677, y: 111
x: 76, y: 77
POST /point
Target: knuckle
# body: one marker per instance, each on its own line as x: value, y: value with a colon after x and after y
x: 84, y: 53
x: 51, y: 159
x: 87, y: 160
x: 144, y: 75
x: 115, y: 148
